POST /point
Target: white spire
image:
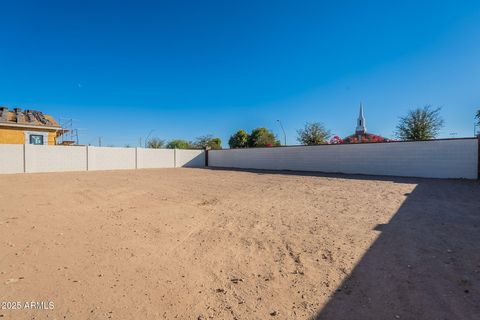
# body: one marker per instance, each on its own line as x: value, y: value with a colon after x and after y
x: 361, y: 127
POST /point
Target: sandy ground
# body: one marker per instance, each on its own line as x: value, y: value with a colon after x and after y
x: 213, y: 244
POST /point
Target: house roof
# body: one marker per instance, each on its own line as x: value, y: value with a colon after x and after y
x: 27, y: 118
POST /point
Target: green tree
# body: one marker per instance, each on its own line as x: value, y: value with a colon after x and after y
x: 179, y: 144
x: 239, y: 140
x: 155, y: 143
x: 208, y: 141
x: 262, y: 137
x: 313, y: 134
x: 478, y: 118
x: 420, y: 124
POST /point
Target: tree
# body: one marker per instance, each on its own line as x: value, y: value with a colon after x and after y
x: 478, y: 118
x: 239, y: 140
x: 366, y: 137
x: 155, y: 143
x: 179, y: 144
x: 313, y: 134
x: 262, y: 137
x: 208, y: 141
x: 420, y: 124
x: 336, y: 140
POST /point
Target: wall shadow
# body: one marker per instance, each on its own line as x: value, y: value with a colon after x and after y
x: 325, y: 175
x: 425, y: 264
x: 196, y: 162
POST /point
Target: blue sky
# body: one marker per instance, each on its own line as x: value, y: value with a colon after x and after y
x: 190, y: 68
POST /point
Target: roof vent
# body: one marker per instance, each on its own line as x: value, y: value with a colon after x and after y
x: 19, y: 114
x: 30, y: 117
x: 3, y: 114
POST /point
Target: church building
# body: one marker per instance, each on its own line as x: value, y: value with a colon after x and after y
x: 361, y: 134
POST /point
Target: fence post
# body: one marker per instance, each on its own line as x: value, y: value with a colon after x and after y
x: 24, y: 158
x: 206, y: 155
x: 175, y: 157
x: 478, y: 156
x: 87, y: 147
x: 136, y: 158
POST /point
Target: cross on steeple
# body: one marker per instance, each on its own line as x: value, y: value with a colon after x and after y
x: 361, y: 127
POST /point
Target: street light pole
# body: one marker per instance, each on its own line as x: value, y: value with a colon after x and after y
x: 284, y: 134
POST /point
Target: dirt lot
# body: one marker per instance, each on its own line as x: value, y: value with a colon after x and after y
x: 201, y: 244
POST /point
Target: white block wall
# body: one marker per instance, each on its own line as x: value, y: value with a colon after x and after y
x: 18, y: 158
x: 430, y: 159
x: 189, y: 158
x: 11, y: 158
x: 55, y: 158
x: 106, y: 158
x: 155, y: 158
x: 433, y: 159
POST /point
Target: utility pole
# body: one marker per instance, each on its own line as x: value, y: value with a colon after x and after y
x: 140, y: 144
x: 148, y: 136
x: 99, y: 141
x: 284, y: 134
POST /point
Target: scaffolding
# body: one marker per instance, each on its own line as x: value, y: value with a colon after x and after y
x: 70, y: 134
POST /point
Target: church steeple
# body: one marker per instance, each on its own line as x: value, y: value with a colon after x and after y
x: 361, y: 127
x: 361, y: 135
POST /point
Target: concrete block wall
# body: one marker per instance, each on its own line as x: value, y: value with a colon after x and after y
x: 55, y: 159
x: 18, y: 158
x: 189, y: 158
x: 155, y: 158
x: 452, y: 158
x: 106, y: 158
x: 11, y: 158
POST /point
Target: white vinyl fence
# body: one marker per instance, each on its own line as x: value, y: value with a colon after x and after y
x: 450, y: 158
x: 17, y: 158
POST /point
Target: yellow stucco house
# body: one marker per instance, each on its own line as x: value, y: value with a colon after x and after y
x: 28, y: 127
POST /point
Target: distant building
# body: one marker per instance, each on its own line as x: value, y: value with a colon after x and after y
x: 361, y: 134
x: 28, y: 127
